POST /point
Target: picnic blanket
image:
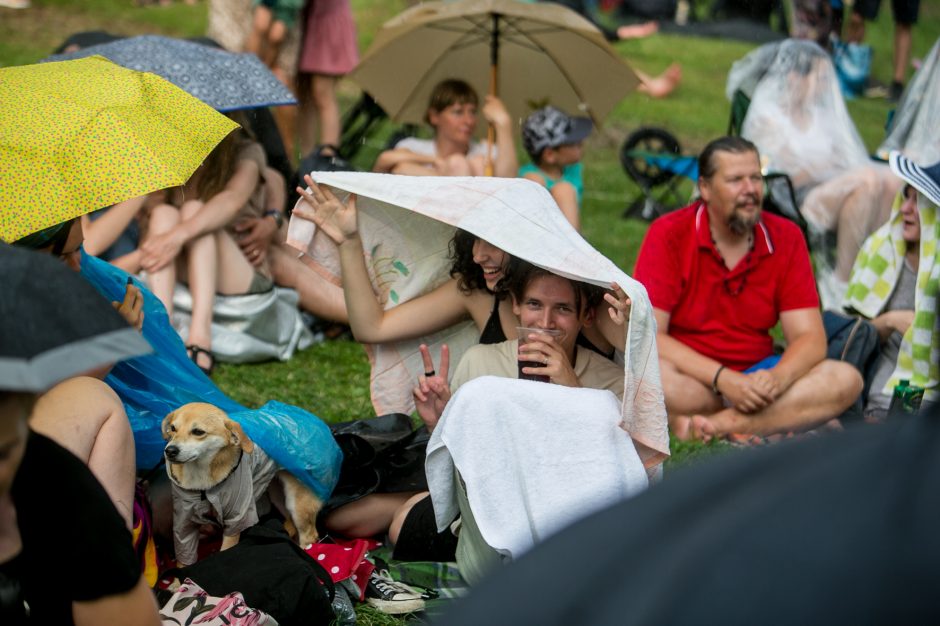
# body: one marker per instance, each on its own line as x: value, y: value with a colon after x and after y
x: 153, y: 385
x: 406, y: 223
x: 563, y: 456
x: 874, y: 278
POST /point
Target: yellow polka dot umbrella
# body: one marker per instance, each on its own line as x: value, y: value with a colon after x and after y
x: 77, y: 136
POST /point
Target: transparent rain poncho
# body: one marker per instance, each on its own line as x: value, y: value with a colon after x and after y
x: 915, y: 127
x: 797, y: 117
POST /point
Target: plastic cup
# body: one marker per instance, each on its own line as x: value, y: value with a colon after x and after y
x: 523, y: 333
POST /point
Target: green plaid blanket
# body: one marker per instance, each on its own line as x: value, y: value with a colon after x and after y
x: 874, y: 277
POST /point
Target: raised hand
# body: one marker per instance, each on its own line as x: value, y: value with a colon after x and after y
x: 161, y: 250
x: 432, y: 392
x: 254, y: 236
x: 324, y: 209
x: 620, y: 304
x: 546, y: 350
x: 131, y: 307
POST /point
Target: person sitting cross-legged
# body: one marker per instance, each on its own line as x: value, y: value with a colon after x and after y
x: 720, y: 275
x: 487, y: 415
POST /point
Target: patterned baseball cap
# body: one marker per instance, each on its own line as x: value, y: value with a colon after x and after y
x: 549, y: 127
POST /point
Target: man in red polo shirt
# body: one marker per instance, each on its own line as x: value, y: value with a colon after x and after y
x: 720, y: 274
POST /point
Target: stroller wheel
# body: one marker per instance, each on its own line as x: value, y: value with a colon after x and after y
x: 640, y: 150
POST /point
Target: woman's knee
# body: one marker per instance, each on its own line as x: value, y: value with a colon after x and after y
x: 190, y: 208
x: 163, y: 217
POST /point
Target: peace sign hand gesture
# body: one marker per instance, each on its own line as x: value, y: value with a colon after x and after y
x: 432, y: 392
x: 324, y: 209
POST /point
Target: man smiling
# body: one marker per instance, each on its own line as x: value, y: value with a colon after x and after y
x: 720, y: 274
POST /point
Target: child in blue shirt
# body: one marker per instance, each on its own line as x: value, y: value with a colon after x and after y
x: 554, y: 141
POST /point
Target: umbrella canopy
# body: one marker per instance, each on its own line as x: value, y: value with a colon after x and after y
x: 226, y: 81
x: 840, y: 529
x: 543, y: 53
x: 81, y: 135
x: 53, y: 324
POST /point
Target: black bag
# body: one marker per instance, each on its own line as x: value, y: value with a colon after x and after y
x: 853, y: 340
x: 272, y: 573
x: 383, y: 454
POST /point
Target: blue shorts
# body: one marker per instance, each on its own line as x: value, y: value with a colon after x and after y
x: 764, y: 364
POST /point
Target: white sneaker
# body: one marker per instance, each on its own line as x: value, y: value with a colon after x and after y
x: 390, y: 596
x: 14, y: 4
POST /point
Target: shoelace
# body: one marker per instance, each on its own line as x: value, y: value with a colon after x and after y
x: 385, y: 583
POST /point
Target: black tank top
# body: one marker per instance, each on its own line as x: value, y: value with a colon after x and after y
x: 493, y: 331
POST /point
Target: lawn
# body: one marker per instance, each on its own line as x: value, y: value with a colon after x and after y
x: 330, y: 379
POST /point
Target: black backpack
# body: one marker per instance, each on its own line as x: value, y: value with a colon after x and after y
x: 272, y: 573
x: 853, y: 340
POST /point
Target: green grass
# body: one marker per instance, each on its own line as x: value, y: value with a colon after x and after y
x: 331, y: 379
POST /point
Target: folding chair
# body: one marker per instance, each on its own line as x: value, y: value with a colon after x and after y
x: 652, y: 158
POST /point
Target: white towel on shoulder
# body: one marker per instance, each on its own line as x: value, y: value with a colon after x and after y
x: 535, y: 457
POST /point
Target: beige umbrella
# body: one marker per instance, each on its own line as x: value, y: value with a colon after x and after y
x: 527, y: 54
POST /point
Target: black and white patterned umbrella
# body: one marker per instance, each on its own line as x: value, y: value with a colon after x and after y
x: 226, y: 81
x: 53, y: 324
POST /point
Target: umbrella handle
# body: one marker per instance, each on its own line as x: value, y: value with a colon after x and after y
x: 488, y: 165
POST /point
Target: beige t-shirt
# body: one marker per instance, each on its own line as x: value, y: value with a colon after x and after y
x: 500, y: 359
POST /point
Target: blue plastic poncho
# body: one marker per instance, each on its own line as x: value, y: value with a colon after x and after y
x: 152, y: 386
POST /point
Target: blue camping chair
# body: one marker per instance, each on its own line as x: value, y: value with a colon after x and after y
x: 652, y: 158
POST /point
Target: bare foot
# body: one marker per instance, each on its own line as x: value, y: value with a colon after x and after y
x: 703, y: 429
x: 638, y: 31
x: 681, y: 427
x: 662, y: 85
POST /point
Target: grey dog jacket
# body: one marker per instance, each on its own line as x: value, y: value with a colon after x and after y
x: 231, y: 504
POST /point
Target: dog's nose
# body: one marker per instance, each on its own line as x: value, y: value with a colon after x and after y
x: 171, y: 451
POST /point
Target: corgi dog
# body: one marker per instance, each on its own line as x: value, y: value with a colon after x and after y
x: 218, y: 474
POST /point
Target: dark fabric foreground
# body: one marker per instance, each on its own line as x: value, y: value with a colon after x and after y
x: 841, y: 529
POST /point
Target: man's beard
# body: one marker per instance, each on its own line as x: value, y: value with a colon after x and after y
x: 741, y: 225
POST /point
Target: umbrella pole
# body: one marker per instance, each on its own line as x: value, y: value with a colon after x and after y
x: 488, y: 168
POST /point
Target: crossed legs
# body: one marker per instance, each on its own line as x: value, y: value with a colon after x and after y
x: 822, y: 394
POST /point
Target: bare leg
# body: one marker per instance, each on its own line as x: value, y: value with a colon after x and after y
x: 861, y: 214
x: 368, y: 516
x: 276, y: 36
x: 902, y: 51
x: 163, y: 218
x: 325, y: 116
x: 662, y: 85
x: 398, y: 519
x: 256, y: 42
x: 822, y: 394
x: 324, y: 97
x: 87, y: 418
x: 637, y: 31
x: 201, y: 275
x: 235, y: 273
x: 317, y: 295
x: 684, y: 396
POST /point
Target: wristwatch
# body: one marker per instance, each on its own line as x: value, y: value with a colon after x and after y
x: 277, y: 215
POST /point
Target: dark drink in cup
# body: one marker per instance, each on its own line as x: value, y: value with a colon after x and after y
x: 535, y: 377
x: 523, y: 333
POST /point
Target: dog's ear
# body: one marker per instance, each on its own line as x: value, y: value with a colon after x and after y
x: 165, y: 427
x: 238, y: 435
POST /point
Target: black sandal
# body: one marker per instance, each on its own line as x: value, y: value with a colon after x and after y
x: 194, y: 351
